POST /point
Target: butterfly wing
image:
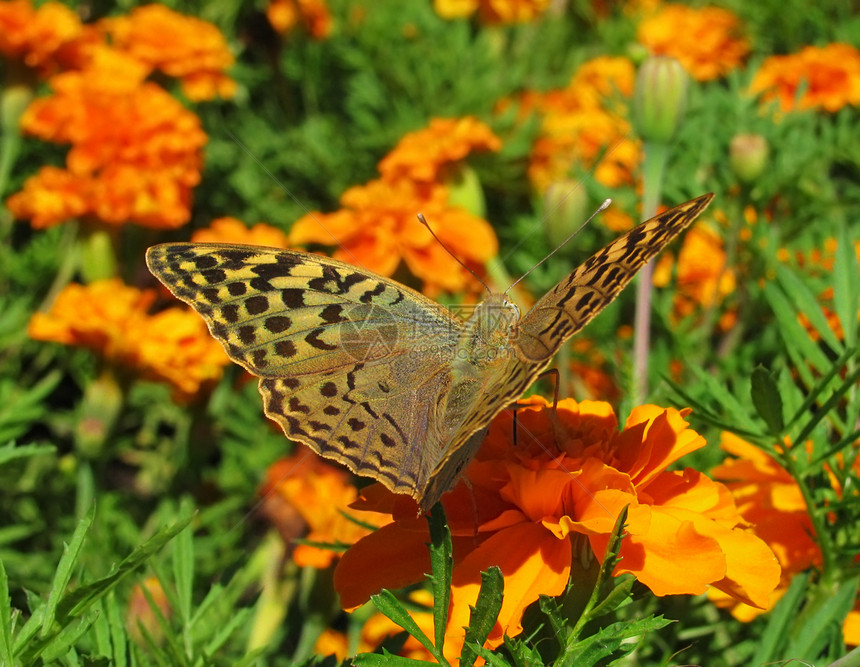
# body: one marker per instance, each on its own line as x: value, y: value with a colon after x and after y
x: 350, y: 363
x: 570, y: 305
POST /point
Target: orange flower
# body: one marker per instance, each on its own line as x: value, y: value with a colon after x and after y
x: 136, y: 152
x: 379, y: 627
x: 492, y: 11
x: 303, y: 491
x: 171, y: 346
x: 183, y: 47
x: 377, y: 228
x: 314, y: 16
x: 139, y: 613
x: 705, y: 41
x: 569, y: 475
x: 421, y: 156
x: 231, y: 230
x: 48, y: 38
x: 585, y: 126
x: 703, y: 278
x: 816, y: 78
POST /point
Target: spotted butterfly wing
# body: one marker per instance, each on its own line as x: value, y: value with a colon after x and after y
x: 376, y: 376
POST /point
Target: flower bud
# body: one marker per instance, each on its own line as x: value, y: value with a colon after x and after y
x: 464, y: 188
x: 748, y: 155
x: 659, y: 98
x: 565, y: 207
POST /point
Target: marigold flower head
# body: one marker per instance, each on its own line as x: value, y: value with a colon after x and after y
x: 704, y: 40
x: 313, y: 15
x: 48, y: 38
x: 421, y: 156
x: 492, y: 11
x: 183, y: 47
x: 703, y: 278
x: 815, y: 78
x: 136, y: 152
x: 569, y: 475
x: 304, y: 494
x: 377, y: 229
x: 585, y: 125
x: 231, y: 230
x: 111, y: 318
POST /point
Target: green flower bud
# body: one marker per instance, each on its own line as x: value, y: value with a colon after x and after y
x: 748, y: 154
x: 659, y: 99
x: 565, y: 208
x: 464, y: 188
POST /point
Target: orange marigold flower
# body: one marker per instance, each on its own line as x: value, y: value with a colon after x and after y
x: 377, y: 229
x: 379, y: 627
x: 231, y: 230
x: 183, y: 47
x: 492, y: 11
x: 816, y: 78
x: 314, y: 16
x: 704, y: 40
x: 420, y: 156
x: 111, y: 318
x: 703, y: 278
x: 140, y: 613
x: 304, y: 494
x: 570, y: 474
x: 47, y: 38
x: 585, y: 126
x: 136, y: 151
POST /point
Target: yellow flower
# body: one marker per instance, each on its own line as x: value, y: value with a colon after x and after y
x: 705, y: 40
x: 231, y: 230
x: 314, y: 16
x: 183, y: 47
x: 492, y: 11
x: 172, y: 346
x: 828, y: 77
x: 136, y: 151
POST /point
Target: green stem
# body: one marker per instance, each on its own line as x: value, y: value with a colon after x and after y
x: 14, y: 99
x: 653, y: 170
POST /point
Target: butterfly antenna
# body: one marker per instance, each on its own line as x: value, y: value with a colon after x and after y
x: 424, y: 222
x: 601, y: 208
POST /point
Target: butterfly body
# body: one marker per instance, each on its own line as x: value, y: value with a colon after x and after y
x: 376, y: 376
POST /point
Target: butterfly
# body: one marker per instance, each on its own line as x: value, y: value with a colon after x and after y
x: 376, y: 376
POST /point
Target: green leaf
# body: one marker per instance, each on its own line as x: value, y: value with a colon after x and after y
x: 66, y: 638
x: 801, y: 347
x: 386, y: 660
x: 812, y: 627
x: 442, y: 564
x: 483, y: 615
x: 183, y: 568
x: 389, y: 605
x: 64, y: 571
x: 80, y: 599
x: 10, y: 452
x: 767, y: 401
x: 609, y: 640
x: 776, y: 633
x: 806, y: 302
x: 5, y: 619
x: 846, y: 287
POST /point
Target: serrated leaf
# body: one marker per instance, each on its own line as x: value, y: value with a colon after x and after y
x: 65, y: 639
x: 389, y: 605
x: 386, y: 659
x: 609, y: 640
x: 767, y: 401
x: 442, y: 564
x: 483, y: 615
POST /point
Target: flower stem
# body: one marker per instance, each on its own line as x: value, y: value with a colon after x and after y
x: 653, y: 170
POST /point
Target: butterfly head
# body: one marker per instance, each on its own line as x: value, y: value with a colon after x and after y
x: 487, y: 336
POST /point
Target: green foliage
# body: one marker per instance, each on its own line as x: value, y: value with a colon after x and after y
x: 167, y: 492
